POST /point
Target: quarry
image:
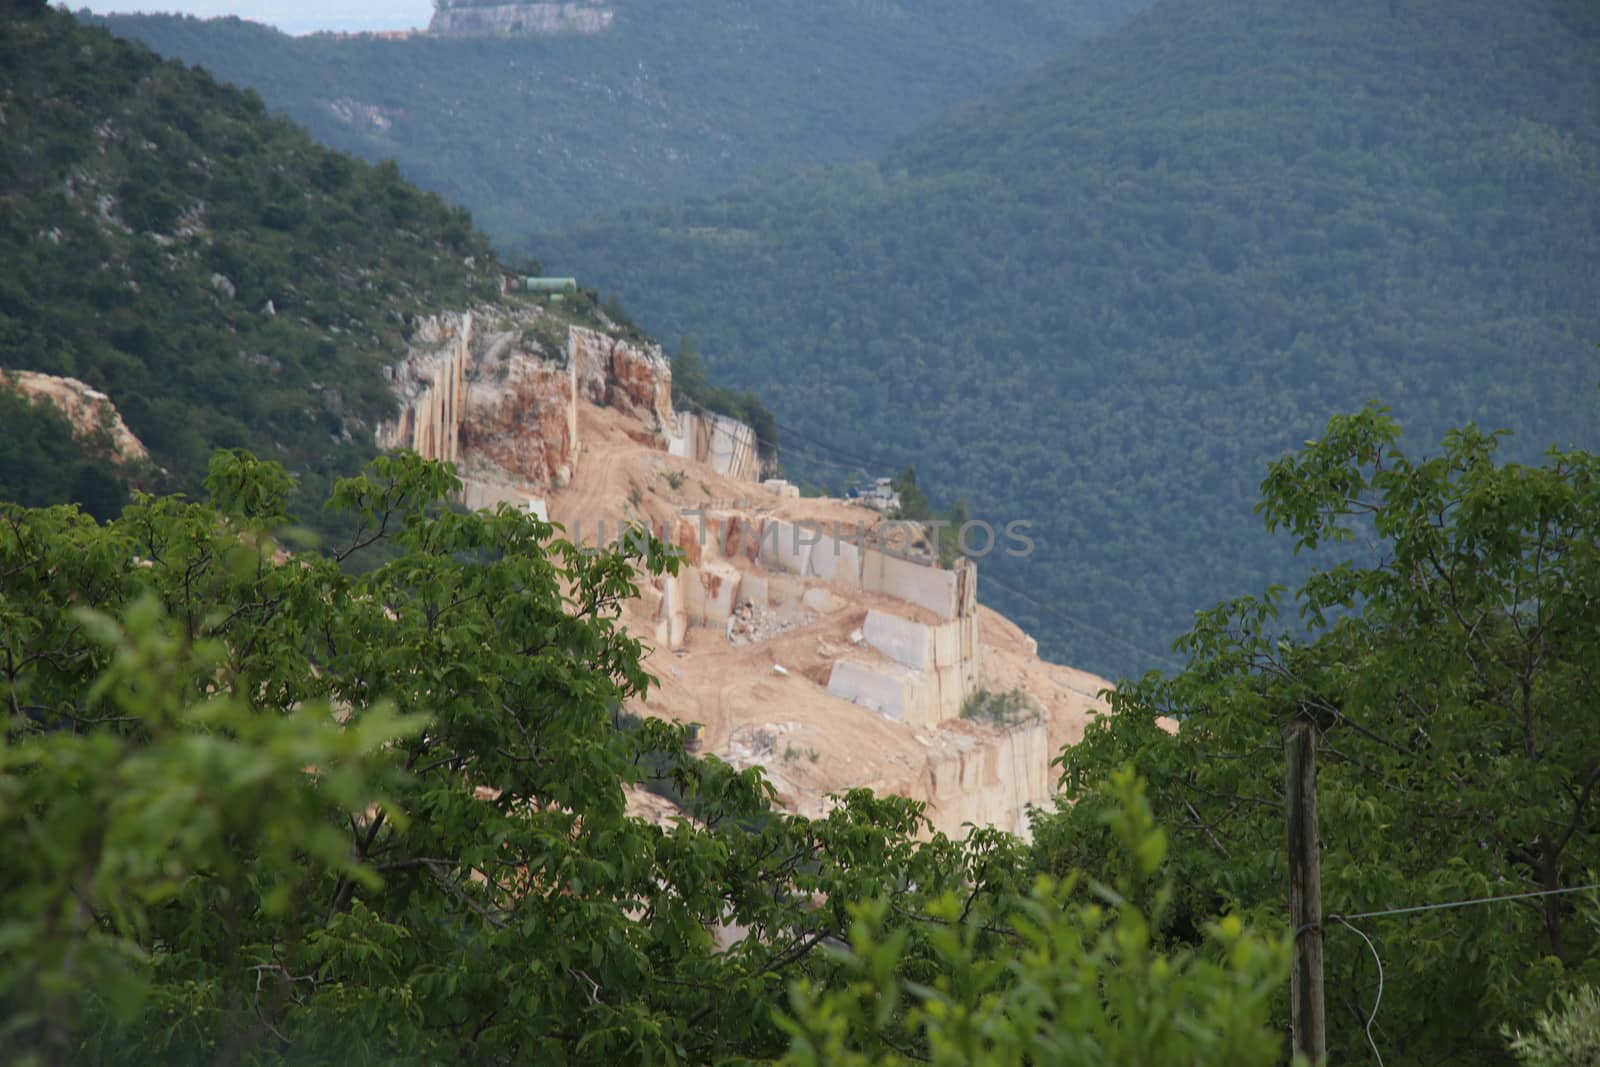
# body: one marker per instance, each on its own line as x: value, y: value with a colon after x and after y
x: 805, y: 635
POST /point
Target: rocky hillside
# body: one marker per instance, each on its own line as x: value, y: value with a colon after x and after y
x: 212, y: 278
x: 222, y: 279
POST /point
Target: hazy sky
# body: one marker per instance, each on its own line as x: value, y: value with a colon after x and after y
x: 290, y: 16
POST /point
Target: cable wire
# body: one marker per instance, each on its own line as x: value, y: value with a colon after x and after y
x: 1413, y: 909
x: 1465, y: 903
x: 1443, y: 905
x: 1379, y: 998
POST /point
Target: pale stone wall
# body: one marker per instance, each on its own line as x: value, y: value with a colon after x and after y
x: 813, y: 553
x: 432, y: 385
x: 902, y: 640
x: 727, y: 445
x: 706, y: 595
x: 721, y: 584
x: 889, y: 690
x: 913, y: 582
x: 837, y: 560
x: 990, y: 778
x: 786, y: 547
x: 935, y: 668
x: 754, y: 588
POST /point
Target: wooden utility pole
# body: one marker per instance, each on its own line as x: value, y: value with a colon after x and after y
x: 1305, y: 890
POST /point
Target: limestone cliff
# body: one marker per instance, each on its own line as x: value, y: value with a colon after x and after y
x: 89, y: 411
x: 431, y: 385
x: 522, y: 415
x: 613, y: 372
x: 589, y: 17
x: 491, y: 391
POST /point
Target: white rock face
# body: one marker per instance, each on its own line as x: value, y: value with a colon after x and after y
x: 729, y: 446
x: 588, y: 17
x: 89, y: 411
x: 432, y: 386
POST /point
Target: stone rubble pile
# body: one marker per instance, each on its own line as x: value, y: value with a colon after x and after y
x: 750, y: 625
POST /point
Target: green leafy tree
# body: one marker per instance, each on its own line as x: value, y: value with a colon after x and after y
x: 261, y: 808
x: 1059, y: 976
x: 1445, y: 655
x: 1564, y: 1037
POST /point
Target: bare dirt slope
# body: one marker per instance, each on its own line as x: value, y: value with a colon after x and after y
x: 767, y: 701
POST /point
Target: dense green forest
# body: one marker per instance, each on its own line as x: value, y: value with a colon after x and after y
x: 679, y: 97
x: 226, y: 281
x: 1103, y: 299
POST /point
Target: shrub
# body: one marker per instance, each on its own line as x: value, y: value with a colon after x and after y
x: 1001, y: 709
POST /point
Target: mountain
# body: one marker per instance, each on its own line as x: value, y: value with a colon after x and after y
x: 672, y: 98
x: 1101, y: 300
x: 222, y: 279
x: 380, y: 323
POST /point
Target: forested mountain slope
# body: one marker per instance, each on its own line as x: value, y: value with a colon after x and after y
x: 1103, y: 299
x: 226, y: 281
x: 676, y: 98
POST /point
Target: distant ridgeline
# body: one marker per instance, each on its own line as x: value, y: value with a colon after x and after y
x: 1103, y: 299
x: 225, y: 281
x: 532, y: 130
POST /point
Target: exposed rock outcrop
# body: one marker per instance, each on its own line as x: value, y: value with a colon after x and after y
x: 727, y: 445
x: 614, y: 373
x: 588, y: 17
x: 522, y: 415
x: 89, y: 411
x: 431, y: 383
x: 481, y: 390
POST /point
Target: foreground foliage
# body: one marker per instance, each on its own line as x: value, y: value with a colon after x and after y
x: 1446, y: 655
x: 1055, y: 978
x: 258, y: 809
x: 1564, y: 1037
